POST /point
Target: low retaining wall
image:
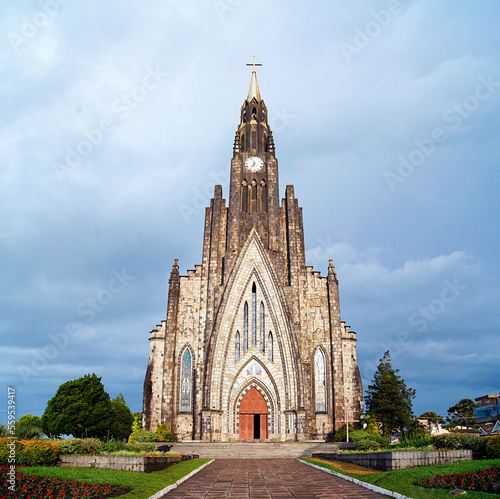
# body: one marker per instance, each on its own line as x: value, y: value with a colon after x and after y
x: 390, y: 461
x: 146, y: 464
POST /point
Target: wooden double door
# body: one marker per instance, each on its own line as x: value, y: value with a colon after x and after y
x: 253, y: 415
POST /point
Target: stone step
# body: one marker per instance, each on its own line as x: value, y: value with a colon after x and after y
x: 256, y: 450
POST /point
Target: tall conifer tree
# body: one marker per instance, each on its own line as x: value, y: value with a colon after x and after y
x: 389, y: 400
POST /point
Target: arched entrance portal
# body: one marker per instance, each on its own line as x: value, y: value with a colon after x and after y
x: 253, y: 415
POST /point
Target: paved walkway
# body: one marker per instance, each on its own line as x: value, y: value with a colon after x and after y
x: 266, y: 478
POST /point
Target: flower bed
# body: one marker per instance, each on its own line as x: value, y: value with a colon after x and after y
x: 482, y: 481
x: 37, y: 487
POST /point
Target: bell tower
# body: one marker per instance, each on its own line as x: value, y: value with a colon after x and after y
x: 254, y: 186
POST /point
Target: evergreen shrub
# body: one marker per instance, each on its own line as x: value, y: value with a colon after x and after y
x: 80, y: 446
x: 142, y: 436
x: 492, y: 447
x: 163, y: 434
x: 340, y: 435
x: 458, y: 441
x: 358, y: 435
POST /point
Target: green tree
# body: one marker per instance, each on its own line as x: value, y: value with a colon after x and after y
x: 123, y: 418
x: 389, y: 400
x: 80, y: 408
x: 28, y: 427
x: 462, y: 413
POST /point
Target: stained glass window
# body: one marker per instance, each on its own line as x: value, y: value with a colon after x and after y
x: 245, y: 325
x: 237, y: 346
x: 254, y: 315
x: 270, y: 346
x: 262, y: 327
x: 186, y: 375
x: 320, y: 381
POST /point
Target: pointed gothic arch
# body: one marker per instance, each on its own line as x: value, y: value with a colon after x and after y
x: 186, y: 379
x: 262, y: 327
x: 251, y: 266
x: 262, y: 381
x: 320, y: 377
x: 245, y: 327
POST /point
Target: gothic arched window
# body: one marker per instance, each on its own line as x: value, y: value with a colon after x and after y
x: 320, y: 381
x: 263, y: 196
x: 186, y: 381
x: 245, y: 327
x: 270, y: 346
x: 244, y: 196
x: 254, y: 314
x: 237, y: 346
x: 262, y: 327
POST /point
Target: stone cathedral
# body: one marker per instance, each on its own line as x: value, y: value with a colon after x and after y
x: 252, y: 346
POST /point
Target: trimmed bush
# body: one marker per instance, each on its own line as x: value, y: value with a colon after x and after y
x: 80, y: 446
x: 358, y: 435
x: 114, y: 446
x: 142, y: 436
x: 364, y: 445
x: 493, y: 447
x: 30, y: 452
x: 163, y: 434
x: 458, y: 441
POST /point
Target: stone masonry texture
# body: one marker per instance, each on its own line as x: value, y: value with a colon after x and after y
x: 253, y: 314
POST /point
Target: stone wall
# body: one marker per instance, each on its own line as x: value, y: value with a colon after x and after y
x: 145, y: 464
x: 391, y: 461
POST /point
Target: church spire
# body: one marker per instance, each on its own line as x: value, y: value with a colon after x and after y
x: 253, y: 91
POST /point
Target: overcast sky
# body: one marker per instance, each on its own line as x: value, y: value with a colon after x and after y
x: 118, y: 117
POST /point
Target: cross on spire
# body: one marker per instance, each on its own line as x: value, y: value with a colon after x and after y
x: 254, y: 64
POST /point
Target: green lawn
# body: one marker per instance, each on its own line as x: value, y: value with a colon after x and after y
x: 402, y: 481
x: 143, y: 485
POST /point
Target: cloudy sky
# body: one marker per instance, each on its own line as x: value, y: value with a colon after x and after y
x: 118, y: 117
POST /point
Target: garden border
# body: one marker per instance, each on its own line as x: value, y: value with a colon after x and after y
x: 144, y: 464
x: 368, y: 486
x: 399, y: 460
x: 181, y: 480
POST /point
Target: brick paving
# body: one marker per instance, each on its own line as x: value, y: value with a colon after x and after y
x: 266, y: 478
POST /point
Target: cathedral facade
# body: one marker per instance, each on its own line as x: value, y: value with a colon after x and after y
x: 252, y: 346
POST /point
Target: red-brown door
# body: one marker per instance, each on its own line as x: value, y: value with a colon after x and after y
x: 246, y: 426
x: 253, y: 404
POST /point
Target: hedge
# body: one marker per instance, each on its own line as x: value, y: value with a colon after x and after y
x: 80, y: 446
x: 29, y: 452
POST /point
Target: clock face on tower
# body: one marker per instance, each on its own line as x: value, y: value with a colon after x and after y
x: 254, y: 164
